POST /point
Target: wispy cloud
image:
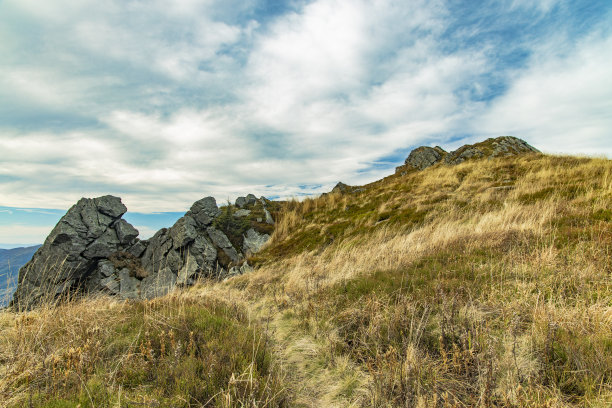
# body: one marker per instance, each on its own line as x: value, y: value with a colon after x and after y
x: 164, y: 103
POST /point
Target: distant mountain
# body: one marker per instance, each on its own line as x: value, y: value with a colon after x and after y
x: 10, y: 262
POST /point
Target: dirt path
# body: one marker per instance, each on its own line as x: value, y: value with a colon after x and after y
x: 317, y: 378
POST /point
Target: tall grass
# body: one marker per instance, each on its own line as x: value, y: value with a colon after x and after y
x: 478, y: 285
x: 180, y: 351
x: 482, y: 284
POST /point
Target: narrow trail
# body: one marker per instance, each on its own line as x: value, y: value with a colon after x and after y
x: 316, y: 377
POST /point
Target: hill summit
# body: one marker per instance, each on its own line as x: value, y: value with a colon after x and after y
x: 503, y: 146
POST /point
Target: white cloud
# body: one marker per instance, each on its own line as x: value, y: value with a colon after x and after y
x: 183, y: 103
x: 562, y: 102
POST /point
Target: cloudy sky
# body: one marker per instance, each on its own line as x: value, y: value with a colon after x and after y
x: 163, y: 103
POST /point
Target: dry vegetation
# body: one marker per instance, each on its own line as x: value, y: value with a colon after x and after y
x: 483, y: 284
x: 178, y: 351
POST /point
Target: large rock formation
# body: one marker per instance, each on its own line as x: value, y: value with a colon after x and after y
x: 425, y: 156
x: 93, y: 250
x: 503, y: 146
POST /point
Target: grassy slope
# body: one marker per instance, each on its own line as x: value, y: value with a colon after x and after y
x: 487, y: 283
x: 482, y: 284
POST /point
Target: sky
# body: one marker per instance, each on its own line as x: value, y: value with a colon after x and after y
x: 163, y: 103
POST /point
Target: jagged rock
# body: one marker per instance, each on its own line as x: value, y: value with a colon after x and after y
x: 237, y: 271
x: 205, y: 211
x: 502, y: 146
x: 222, y: 241
x: 251, y: 199
x: 158, y: 247
x: 219, y: 238
x: 204, y: 249
x: 463, y: 154
x: 269, y: 219
x: 106, y: 268
x: 242, y: 213
x: 110, y: 284
x: 183, y: 232
x: 188, y: 271
x: 240, y: 202
x: 125, y: 232
x: 341, y: 188
x: 254, y: 241
x: 110, y: 206
x: 103, y: 246
x: 425, y: 156
x: 173, y: 261
x: 137, y: 249
x: 92, y: 249
x: 69, y: 256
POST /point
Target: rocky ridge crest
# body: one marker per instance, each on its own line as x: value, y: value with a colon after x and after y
x: 503, y: 146
x: 93, y: 250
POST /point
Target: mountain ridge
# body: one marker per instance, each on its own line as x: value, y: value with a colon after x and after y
x: 482, y: 283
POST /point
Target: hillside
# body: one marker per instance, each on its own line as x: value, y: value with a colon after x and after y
x: 485, y: 283
x: 10, y: 262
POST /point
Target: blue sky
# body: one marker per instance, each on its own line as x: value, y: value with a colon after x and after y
x: 162, y: 103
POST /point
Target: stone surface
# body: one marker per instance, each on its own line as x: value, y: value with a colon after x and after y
x: 242, y: 213
x: 183, y: 232
x: 205, y: 210
x: 240, y: 202
x: 125, y: 232
x: 219, y: 238
x: 341, y: 188
x: 70, y: 254
x: 188, y: 271
x: 106, y: 268
x: 251, y: 199
x: 110, y: 284
x: 269, y: 219
x: 425, y: 156
x: 93, y: 250
x: 503, y: 146
x: 137, y: 249
x: 129, y: 287
x: 254, y: 241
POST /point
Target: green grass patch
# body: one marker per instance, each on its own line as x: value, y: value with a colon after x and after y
x: 179, y: 353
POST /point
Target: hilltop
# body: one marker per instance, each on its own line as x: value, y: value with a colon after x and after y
x: 480, y: 282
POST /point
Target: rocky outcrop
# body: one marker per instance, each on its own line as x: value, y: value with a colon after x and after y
x: 242, y: 202
x: 254, y: 241
x: 503, y: 146
x: 425, y: 156
x: 342, y: 188
x: 93, y: 250
x: 89, y: 232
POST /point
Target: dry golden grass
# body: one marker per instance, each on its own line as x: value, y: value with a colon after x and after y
x: 483, y: 284
x: 509, y: 255
x: 181, y: 350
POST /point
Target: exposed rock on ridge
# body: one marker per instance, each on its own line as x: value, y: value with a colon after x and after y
x: 93, y: 250
x: 503, y: 146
